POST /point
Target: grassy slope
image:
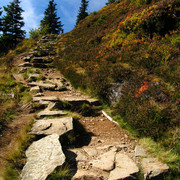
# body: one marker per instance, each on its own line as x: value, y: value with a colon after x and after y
x: 134, y: 43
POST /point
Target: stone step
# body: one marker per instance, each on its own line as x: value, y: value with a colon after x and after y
x: 58, y: 126
x: 34, y: 77
x: 26, y: 64
x: 43, y: 157
x: 47, y: 113
x: 45, y: 98
x: 41, y: 60
x: 41, y: 84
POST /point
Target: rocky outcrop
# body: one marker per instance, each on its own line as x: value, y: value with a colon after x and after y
x: 43, y: 157
x: 47, y: 113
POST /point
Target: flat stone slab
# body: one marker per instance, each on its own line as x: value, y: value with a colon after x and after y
x: 82, y: 174
x: 50, y: 126
x: 35, y: 89
x: 41, y: 84
x: 105, y: 161
x: 26, y: 64
x: 139, y: 151
x: 125, y: 168
x: 43, y: 157
x: 152, y: 168
x: 47, y: 113
x: 34, y: 76
x: 45, y: 98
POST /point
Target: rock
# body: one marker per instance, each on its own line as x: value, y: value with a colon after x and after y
x: 26, y: 64
x: 86, y: 175
x: 43, y: 157
x: 45, y: 98
x: 23, y: 70
x: 94, y: 102
x: 105, y: 161
x: 55, y: 81
x: 50, y: 126
x: 27, y: 58
x: 43, y: 85
x: 50, y: 106
x: 35, y: 89
x: 50, y: 113
x: 41, y: 60
x: 34, y: 77
x: 79, y: 155
x: 152, y: 168
x: 125, y: 168
x: 91, y: 151
x: 139, y: 151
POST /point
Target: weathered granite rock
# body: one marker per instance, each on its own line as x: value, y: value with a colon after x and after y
x: 45, y: 98
x: 47, y: 113
x: 26, y: 64
x: 86, y: 175
x: 80, y: 157
x: 105, y: 161
x: 34, y: 77
x: 43, y: 157
x: 125, y: 168
x: 91, y: 151
x: 139, y: 151
x: 50, y: 126
x: 152, y: 168
x: 43, y: 85
x: 35, y: 89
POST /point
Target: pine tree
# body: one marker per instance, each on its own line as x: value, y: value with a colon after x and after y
x: 110, y: 2
x: 51, y: 20
x: 82, y: 11
x: 0, y: 20
x: 12, y: 23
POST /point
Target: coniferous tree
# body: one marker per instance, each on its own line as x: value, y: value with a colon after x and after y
x: 110, y: 2
x: 51, y: 21
x: 0, y: 20
x: 82, y: 11
x: 12, y: 23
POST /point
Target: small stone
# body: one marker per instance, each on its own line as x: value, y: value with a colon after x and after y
x: 105, y: 161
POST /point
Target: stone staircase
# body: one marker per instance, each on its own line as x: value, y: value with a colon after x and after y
x: 103, y: 150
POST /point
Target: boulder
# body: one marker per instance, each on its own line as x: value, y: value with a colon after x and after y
x: 152, y: 168
x: 50, y: 126
x: 105, y: 161
x: 125, y: 168
x: 43, y: 157
x: 47, y: 113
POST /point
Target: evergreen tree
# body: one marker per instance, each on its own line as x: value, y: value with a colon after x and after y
x: 82, y: 11
x: 110, y: 2
x: 0, y: 20
x: 12, y: 24
x: 51, y: 20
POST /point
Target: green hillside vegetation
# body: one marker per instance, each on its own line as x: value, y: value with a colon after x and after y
x: 134, y: 43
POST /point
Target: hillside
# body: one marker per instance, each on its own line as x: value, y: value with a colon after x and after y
x: 127, y: 56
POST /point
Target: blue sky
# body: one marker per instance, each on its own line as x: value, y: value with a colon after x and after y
x: 67, y: 10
